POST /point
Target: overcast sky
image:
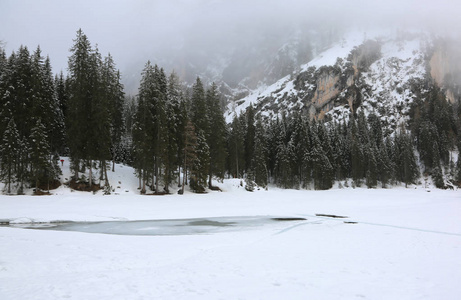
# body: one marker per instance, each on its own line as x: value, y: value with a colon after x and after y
x: 136, y: 29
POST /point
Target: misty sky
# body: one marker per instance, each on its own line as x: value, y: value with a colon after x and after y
x: 134, y: 31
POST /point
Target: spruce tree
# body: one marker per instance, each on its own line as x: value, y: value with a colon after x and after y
x: 249, y: 137
x: 159, y: 112
x: 3, y: 62
x: 114, y: 104
x: 300, y: 143
x: 372, y: 171
x: 81, y: 96
x: 176, y: 119
x: 384, y: 165
x: 322, y: 170
x: 199, y: 167
x: 458, y: 163
x: 190, y: 151
x: 236, y: 148
x: 98, y: 139
x: 198, y: 111
x: 52, y: 116
x: 283, y: 158
x: 9, y: 149
x: 260, y: 170
x: 62, y: 92
x: 217, y: 135
x: 436, y: 172
x: 143, y: 129
x: 406, y: 165
x: 41, y: 167
x: 22, y: 167
x: 357, y: 154
x: 23, y: 96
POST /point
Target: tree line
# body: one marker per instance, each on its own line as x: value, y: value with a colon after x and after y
x: 174, y: 134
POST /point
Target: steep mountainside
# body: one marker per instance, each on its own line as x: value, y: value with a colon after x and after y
x: 382, y: 73
x: 260, y: 57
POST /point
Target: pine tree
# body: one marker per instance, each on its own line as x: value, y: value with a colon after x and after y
x: 376, y: 130
x: 300, y: 143
x: 260, y: 170
x: 98, y: 139
x: 114, y: 104
x: 143, y: 129
x: 322, y: 170
x: 81, y: 96
x: 199, y: 168
x: 176, y: 119
x: 217, y: 135
x: 393, y: 154
x: 283, y: 158
x: 249, y: 137
x: 384, y: 165
x: 436, y: 172
x: 23, y: 95
x: 3, y: 62
x: 62, y: 92
x: 357, y: 154
x: 7, y: 91
x: 52, y: 116
x: 458, y: 163
x: 372, y: 171
x: 9, y: 149
x: 39, y: 157
x: 198, y: 111
x: 236, y: 148
x: 159, y: 112
x: 22, y: 167
x: 190, y: 150
x: 406, y: 165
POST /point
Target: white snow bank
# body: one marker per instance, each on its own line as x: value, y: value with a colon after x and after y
x: 405, y: 245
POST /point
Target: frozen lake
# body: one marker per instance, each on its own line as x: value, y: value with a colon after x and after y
x: 389, y: 244
x: 164, y: 227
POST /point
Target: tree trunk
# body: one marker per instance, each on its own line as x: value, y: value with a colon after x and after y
x: 183, y: 180
x: 167, y: 179
x: 51, y: 164
x: 101, y: 175
x: 209, y: 180
x: 113, y: 162
x: 104, y: 173
x: 237, y: 160
x: 157, y: 175
x: 77, y: 165
x: 143, y: 189
x: 9, y: 180
x: 184, y: 172
x: 91, y: 174
x: 107, y: 178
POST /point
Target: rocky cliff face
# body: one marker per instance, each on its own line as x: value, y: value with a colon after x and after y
x: 445, y: 68
x: 383, y: 74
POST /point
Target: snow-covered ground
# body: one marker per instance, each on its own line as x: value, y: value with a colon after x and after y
x: 405, y: 244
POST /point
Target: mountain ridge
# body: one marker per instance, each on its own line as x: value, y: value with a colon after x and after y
x: 377, y: 72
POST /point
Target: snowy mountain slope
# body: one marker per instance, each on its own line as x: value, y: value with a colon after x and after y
x: 389, y: 80
x: 375, y: 71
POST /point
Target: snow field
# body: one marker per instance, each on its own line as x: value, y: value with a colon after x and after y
x: 406, y: 245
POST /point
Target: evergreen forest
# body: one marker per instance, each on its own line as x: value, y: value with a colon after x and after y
x: 175, y: 135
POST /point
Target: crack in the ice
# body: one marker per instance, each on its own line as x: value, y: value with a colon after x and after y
x: 411, y: 228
